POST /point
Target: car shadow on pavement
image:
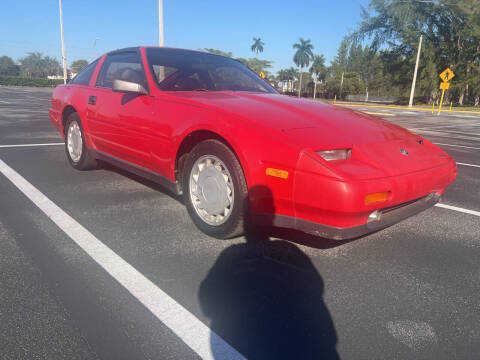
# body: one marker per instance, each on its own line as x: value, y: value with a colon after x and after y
x: 265, y: 298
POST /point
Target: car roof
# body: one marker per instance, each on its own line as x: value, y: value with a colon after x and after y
x: 129, y: 49
x: 137, y: 48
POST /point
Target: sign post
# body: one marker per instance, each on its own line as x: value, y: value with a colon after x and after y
x: 446, y: 76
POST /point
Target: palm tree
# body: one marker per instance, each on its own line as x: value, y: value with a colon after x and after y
x: 283, y: 76
x: 302, y: 57
x: 257, y: 46
x: 318, y: 70
x: 292, y: 75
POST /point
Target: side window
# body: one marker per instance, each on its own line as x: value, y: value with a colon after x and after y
x: 84, y: 76
x: 123, y: 66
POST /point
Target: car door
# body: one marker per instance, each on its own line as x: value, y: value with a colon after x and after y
x: 119, y: 123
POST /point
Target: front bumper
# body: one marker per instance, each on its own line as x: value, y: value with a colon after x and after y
x: 388, y: 217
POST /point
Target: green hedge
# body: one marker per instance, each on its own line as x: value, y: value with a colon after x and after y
x: 26, y: 81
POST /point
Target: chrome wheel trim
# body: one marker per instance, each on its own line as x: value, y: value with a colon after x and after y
x: 74, y: 141
x: 211, y: 190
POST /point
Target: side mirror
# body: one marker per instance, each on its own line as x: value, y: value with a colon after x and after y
x: 128, y: 87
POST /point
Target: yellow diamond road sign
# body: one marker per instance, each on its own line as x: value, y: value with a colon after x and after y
x: 447, y: 75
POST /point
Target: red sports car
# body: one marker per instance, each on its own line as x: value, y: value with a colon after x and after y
x: 209, y: 128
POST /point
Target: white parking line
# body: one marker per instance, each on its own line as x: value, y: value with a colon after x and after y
x: 30, y: 145
x: 185, y: 325
x: 468, y: 165
x: 468, y: 147
x: 455, y: 208
x: 465, y: 132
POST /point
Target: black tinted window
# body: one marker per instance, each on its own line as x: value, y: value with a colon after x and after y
x: 125, y: 66
x: 183, y: 70
x: 84, y: 76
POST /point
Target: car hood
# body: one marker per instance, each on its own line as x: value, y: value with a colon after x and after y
x: 304, y: 123
x: 309, y: 124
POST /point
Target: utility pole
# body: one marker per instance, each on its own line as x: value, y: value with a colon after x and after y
x: 160, y: 23
x: 64, y: 59
x: 410, y: 102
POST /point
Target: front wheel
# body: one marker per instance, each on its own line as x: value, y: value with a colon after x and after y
x: 215, y: 191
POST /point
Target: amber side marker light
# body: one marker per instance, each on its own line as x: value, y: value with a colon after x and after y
x: 377, y: 197
x: 282, y: 174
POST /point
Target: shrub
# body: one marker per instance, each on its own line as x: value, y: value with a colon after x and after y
x: 26, y: 81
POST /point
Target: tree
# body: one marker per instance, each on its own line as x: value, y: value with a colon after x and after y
x: 8, y: 67
x: 51, y: 66
x: 78, y: 65
x: 35, y: 65
x: 218, y: 52
x: 351, y: 84
x: 257, y: 65
x: 257, y: 46
x: 282, y: 76
x: 341, y: 59
x: 451, y: 31
x: 302, y: 57
x: 287, y: 76
x: 318, y: 70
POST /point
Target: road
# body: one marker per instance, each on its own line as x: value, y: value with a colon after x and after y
x: 105, y: 265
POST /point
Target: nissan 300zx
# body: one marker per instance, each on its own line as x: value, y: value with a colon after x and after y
x: 208, y: 127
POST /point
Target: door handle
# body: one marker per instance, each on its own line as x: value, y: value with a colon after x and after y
x: 92, y: 100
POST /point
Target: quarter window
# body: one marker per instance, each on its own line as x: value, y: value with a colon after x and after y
x: 84, y: 76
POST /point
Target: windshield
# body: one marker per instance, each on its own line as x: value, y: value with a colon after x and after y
x: 183, y: 70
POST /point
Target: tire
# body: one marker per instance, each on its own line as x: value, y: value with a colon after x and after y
x: 81, y: 159
x: 208, y: 191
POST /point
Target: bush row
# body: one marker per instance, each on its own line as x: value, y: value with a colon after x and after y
x: 26, y: 81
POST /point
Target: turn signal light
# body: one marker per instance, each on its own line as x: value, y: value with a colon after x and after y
x: 282, y: 174
x: 377, y: 197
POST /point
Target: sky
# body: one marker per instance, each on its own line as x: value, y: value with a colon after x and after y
x: 93, y: 27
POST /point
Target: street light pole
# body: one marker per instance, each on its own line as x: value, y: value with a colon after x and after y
x: 64, y: 59
x: 410, y: 102
x: 160, y: 23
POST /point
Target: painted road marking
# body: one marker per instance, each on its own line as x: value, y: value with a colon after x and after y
x: 455, y: 208
x: 461, y: 132
x: 184, y: 324
x: 464, y: 116
x: 30, y: 145
x: 378, y: 113
x: 462, y: 146
x: 468, y: 165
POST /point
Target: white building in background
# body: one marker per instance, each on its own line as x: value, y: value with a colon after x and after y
x: 70, y: 73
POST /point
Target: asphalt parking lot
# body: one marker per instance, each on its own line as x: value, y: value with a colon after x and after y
x: 411, y: 291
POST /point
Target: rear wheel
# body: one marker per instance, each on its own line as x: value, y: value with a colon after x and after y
x: 215, y: 190
x: 75, y: 145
